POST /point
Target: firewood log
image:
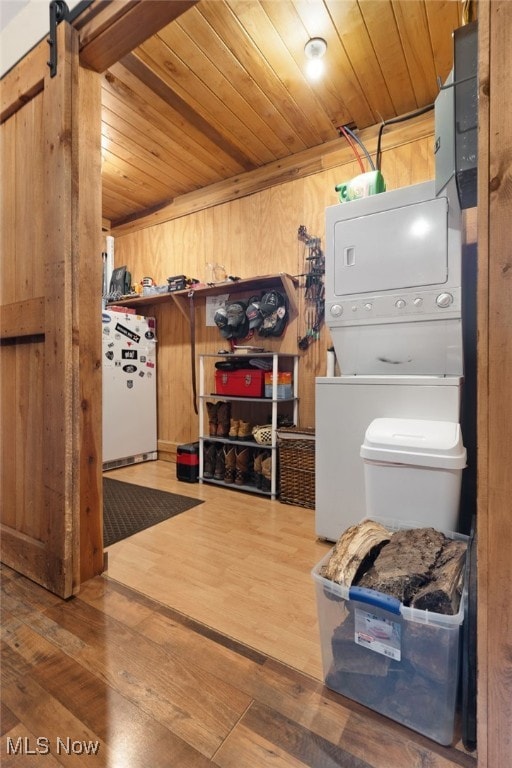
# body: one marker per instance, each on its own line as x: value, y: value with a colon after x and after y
x: 358, y: 545
x: 442, y: 594
x: 405, y: 564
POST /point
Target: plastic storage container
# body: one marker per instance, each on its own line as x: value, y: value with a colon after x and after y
x: 284, y: 385
x: 187, y: 462
x: 413, y: 471
x: 413, y: 675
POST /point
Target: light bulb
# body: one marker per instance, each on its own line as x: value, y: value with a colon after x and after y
x: 315, y: 50
x: 315, y: 69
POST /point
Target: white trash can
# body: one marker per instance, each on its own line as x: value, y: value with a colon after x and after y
x: 413, y: 471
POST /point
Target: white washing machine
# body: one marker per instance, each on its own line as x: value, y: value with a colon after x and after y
x: 393, y: 308
x: 345, y: 406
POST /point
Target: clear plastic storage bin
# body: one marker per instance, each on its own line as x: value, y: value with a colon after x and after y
x: 412, y: 675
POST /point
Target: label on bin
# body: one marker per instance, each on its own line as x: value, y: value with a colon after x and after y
x: 378, y: 634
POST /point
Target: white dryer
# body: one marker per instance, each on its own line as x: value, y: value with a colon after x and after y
x: 393, y: 283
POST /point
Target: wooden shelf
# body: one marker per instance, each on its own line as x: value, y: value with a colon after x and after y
x: 281, y: 282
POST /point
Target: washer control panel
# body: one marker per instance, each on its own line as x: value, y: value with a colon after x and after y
x: 395, y: 307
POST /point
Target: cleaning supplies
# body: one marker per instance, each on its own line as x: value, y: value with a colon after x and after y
x: 364, y: 185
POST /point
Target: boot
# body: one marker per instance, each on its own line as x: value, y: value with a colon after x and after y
x: 212, y: 418
x: 223, y: 417
x: 233, y: 430
x: 242, y: 466
x: 245, y: 431
x: 209, y: 461
x: 258, y: 457
x: 229, y: 464
x: 266, y: 471
x: 220, y: 464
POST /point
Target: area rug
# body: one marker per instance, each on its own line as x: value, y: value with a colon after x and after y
x: 128, y: 508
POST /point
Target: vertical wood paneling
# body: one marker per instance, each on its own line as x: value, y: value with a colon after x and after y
x: 8, y: 416
x: 254, y: 235
x: 89, y: 268
x: 28, y: 440
x: 494, y: 376
x: 484, y: 702
x: 29, y: 192
x: 8, y: 435
x: 60, y: 395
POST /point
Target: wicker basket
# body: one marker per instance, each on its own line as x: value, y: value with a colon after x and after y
x: 297, y: 466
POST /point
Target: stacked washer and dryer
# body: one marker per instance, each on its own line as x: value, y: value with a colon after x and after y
x: 393, y: 308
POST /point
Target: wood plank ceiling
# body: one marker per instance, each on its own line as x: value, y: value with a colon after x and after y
x: 222, y: 89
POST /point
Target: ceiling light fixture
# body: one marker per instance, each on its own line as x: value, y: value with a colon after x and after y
x: 315, y: 49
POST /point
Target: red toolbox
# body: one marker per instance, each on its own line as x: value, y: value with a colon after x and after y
x: 243, y: 383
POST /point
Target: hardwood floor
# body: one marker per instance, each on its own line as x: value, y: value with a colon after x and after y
x: 239, y: 563
x: 213, y: 668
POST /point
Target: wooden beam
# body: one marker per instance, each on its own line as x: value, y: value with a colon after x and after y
x: 494, y: 375
x: 119, y: 27
x: 21, y: 84
x: 22, y: 318
x: 311, y: 161
x: 88, y: 270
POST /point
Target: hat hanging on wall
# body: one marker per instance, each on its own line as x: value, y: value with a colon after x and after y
x: 253, y: 313
x: 237, y: 319
x: 221, y: 321
x: 232, y: 321
x: 275, y: 314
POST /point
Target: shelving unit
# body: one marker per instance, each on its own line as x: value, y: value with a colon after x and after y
x: 275, y: 402
x: 281, y: 281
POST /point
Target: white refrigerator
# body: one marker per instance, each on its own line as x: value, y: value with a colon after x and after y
x: 129, y: 388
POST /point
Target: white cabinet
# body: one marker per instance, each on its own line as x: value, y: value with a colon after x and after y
x: 256, y: 410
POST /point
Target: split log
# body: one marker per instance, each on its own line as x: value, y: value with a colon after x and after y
x: 442, y: 594
x: 405, y: 563
x: 355, y: 550
x: 348, y: 656
x: 429, y: 650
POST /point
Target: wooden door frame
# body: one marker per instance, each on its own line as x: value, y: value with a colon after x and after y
x: 494, y: 517
x: 59, y: 321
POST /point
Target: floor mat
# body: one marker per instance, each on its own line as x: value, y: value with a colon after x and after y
x: 128, y: 508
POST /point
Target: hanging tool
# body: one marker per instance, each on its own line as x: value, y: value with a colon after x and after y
x: 313, y: 288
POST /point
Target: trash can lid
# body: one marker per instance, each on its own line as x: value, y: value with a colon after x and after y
x: 418, y: 442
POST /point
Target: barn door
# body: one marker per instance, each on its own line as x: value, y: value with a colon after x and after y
x: 43, y: 391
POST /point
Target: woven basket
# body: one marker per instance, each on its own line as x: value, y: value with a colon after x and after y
x: 297, y: 466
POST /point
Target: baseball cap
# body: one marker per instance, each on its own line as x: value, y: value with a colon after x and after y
x: 253, y: 314
x: 221, y: 321
x: 271, y: 301
x: 236, y: 313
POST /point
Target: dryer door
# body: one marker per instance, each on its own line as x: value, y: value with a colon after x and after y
x: 406, y: 247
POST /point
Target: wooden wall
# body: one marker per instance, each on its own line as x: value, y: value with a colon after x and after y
x: 254, y: 235
x: 494, y: 716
